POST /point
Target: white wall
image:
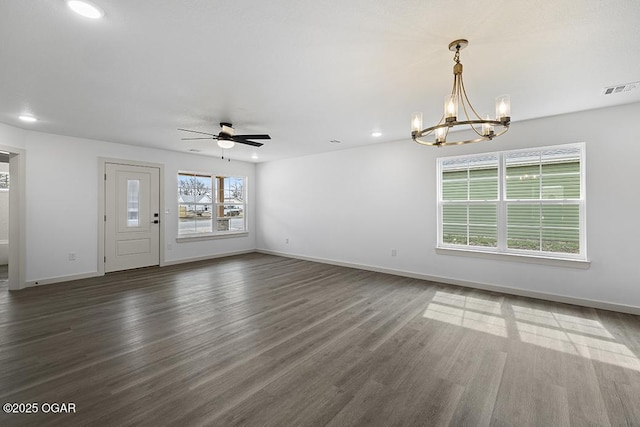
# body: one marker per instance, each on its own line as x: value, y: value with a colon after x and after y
x: 62, y: 181
x: 353, y: 206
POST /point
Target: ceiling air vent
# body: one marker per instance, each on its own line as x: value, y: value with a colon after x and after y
x: 625, y: 87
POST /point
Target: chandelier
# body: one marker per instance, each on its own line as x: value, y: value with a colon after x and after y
x: 485, y: 129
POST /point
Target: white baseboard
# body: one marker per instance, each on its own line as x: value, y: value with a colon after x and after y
x: 629, y: 309
x: 60, y: 279
x: 206, y: 257
x: 52, y: 280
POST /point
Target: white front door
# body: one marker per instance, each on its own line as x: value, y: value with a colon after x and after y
x: 132, y: 220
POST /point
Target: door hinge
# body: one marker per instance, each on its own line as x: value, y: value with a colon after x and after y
x: 105, y: 218
x: 105, y: 176
x: 105, y: 259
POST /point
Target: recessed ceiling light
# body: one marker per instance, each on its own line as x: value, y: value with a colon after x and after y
x: 254, y: 156
x: 27, y: 118
x: 376, y: 134
x: 86, y: 9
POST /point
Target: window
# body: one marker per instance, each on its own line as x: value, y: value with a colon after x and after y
x: 526, y: 202
x: 209, y: 205
x: 4, y: 181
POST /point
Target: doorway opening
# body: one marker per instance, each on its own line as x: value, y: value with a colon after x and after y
x: 12, y: 225
x: 4, y: 220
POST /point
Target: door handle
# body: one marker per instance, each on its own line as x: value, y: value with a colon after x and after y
x: 155, y: 221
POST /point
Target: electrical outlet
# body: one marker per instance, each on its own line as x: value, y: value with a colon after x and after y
x: 286, y: 241
x: 72, y: 256
x: 394, y: 252
x: 169, y: 246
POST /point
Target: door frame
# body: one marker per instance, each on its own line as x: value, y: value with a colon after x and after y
x: 102, y: 162
x: 17, y: 222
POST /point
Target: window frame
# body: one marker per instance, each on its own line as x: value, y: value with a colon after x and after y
x: 502, y: 202
x: 216, y: 205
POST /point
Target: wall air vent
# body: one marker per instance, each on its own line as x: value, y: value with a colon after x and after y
x: 625, y: 87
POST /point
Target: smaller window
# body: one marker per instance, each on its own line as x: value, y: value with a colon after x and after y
x: 4, y: 181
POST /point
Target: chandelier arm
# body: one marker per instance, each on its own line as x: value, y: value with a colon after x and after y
x: 467, y: 98
x: 503, y: 131
x: 417, y: 135
x: 428, y: 131
x: 453, y: 88
x: 479, y: 133
x: 464, y: 107
x: 463, y: 122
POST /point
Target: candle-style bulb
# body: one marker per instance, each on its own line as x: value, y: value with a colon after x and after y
x: 416, y: 122
x: 503, y: 108
x: 450, y: 108
x: 487, y: 128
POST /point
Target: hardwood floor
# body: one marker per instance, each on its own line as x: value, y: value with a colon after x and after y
x: 269, y: 341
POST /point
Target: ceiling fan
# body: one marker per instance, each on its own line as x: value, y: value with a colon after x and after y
x: 226, y: 137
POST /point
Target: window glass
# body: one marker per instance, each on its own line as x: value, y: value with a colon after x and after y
x: 4, y: 181
x: 133, y: 203
x: 209, y: 204
x: 195, y: 207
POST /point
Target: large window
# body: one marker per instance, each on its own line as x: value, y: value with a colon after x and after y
x: 209, y: 204
x: 527, y: 202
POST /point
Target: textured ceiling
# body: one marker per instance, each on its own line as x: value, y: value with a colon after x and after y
x: 304, y: 72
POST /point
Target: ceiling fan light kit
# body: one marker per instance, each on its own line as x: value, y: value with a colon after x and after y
x: 86, y: 9
x: 227, y: 138
x: 485, y: 129
x: 225, y: 143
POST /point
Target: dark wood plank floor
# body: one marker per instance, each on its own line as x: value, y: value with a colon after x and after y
x: 269, y: 341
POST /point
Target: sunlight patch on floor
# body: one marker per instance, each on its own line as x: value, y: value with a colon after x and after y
x: 471, y: 303
x: 565, y: 339
x: 577, y: 336
x: 467, y: 319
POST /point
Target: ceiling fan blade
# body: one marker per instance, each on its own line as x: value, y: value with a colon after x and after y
x: 252, y: 143
x: 195, y: 131
x: 252, y: 136
x: 191, y: 139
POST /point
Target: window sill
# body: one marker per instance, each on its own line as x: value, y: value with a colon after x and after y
x: 185, y: 238
x: 531, y: 259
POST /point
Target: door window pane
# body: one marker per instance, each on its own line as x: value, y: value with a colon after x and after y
x: 133, y: 203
